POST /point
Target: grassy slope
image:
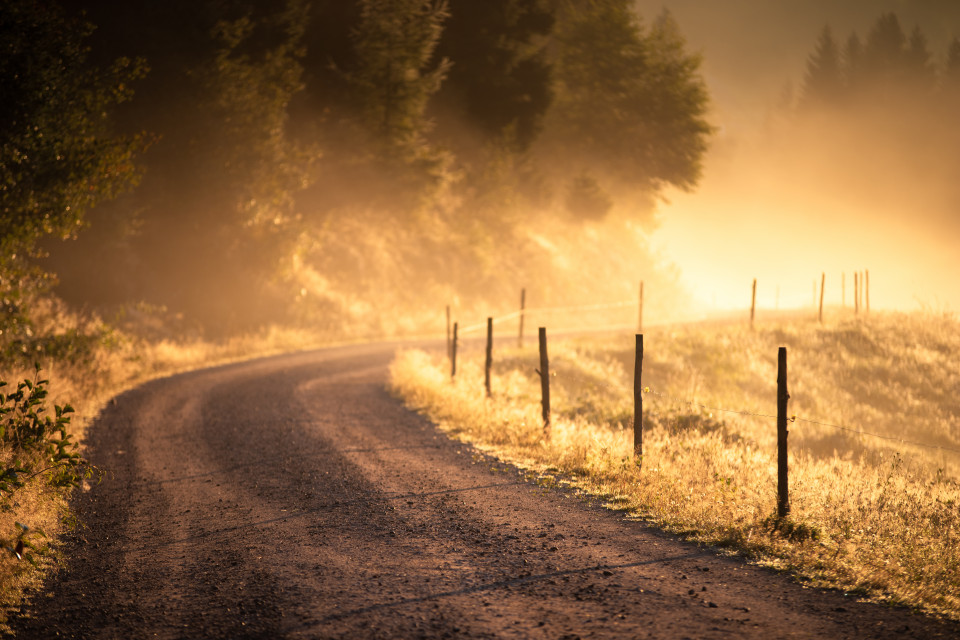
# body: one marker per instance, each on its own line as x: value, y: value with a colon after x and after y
x: 874, y: 516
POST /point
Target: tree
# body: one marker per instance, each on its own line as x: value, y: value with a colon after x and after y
x: 918, y: 65
x: 951, y: 70
x: 58, y: 157
x: 232, y: 218
x: 884, y: 58
x: 395, y: 41
x: 852, y: 60
x: 823, y: 82
x: 630, y: 106
x: 248, y: 101
x: 499, y: 79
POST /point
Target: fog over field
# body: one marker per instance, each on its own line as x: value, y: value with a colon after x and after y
x: 782, y: 201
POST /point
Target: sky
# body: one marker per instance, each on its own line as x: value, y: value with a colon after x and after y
x: 755, y: 216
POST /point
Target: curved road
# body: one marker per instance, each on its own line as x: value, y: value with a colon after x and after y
x: 292, y: 497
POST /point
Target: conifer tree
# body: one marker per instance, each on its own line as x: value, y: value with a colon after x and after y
x: 629, y: 105
x: 823, y: 82
x: 884, y: 57
x: 852, y: 61
x: 918, y: 64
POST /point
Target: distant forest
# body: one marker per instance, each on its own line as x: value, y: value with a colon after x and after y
x: 875, y: 124
x: 887, y: 70
x: 239, y: 162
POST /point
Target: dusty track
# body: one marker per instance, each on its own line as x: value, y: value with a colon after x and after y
x: 294, y: 498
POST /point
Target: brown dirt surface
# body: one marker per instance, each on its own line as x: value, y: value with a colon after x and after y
x: 293, y: 497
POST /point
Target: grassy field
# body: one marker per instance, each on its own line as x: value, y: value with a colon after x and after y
x: 875, y: 516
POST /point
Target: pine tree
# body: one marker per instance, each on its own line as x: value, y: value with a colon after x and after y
x: 950, y: 81
x: 918, y: 66
x: 823, y: 82
x: 884, y: 57
x: 852, y: 61
x: 629, y: 105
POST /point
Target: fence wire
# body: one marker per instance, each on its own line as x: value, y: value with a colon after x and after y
x: 692, y: 403
x: 795, y: 419
x: 535, y: 310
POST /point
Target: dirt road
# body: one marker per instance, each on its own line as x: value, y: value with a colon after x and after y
x: 292, y: 497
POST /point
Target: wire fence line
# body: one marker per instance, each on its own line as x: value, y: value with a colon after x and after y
x: 534, y: 310
x: 689, y: 402
x: 796, y: 418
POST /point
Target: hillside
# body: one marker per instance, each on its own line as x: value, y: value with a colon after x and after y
x: 873, y: 448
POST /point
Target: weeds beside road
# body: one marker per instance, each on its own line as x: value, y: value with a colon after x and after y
x: 869, y: 515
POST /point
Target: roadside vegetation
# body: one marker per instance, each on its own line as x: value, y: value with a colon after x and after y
x: 58, y: 375
x: 876, y: 517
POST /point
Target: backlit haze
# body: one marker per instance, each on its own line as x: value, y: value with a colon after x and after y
x: 783, y: 208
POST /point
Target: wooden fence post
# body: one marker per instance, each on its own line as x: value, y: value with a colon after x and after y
x: 640, y: 317
x: 523, y: 305
x: 489, y: 362
x: 638, y: 404
x: 856, y: 294
x: 448, y: 333
x: 862, y: 282
x: 545, y: 381
x: 866, y: 288
x: 453, y: 353
x: 823, y: 281
x: 783, y: 494
x: 753, y: 302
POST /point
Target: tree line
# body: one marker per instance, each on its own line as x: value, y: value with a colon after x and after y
x: 888, y: 68
x: 245, y: 161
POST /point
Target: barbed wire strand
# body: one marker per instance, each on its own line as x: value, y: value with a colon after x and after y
x: 534, y: 310
x: 794, y: 419
x: 693, y: 403
x: 877, y: 435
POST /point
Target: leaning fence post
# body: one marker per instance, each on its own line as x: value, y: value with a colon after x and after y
x: 489, y: 362
x: 453, y: 353
x: 523, y: 305
x: 823, y: 281
x: 638, y: 404
x: 783, y: 494
x: 753, y: 302
x: 545, y: 381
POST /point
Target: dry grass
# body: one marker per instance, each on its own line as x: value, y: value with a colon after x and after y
x: 872, y: 516
x: 91, y: 366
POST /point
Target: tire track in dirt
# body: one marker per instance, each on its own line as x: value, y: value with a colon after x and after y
x: 292, y: 497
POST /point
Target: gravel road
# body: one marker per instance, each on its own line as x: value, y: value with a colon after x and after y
x: 292, y: 497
